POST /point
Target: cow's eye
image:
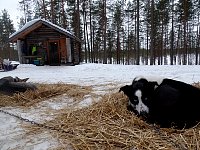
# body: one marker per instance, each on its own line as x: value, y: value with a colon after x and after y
x: 135, y: 100
x: 145, y: 98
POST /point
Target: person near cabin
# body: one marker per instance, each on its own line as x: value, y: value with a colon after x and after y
x: 34, y: 50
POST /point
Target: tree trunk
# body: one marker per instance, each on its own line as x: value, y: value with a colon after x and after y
x: 138, y: 35
x: 152, y: 46
x: 172, y: 36
x: 104, y: 32
x: 64, y: 25
x: 44, y: 10
x: 118, y: 47
x: 52, y: 12
x: 91, y: 33
x: 78, y: 20
x: 84, y: 32
x: 197, y: 46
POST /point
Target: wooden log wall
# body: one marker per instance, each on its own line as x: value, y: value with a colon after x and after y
x: 44, y: 34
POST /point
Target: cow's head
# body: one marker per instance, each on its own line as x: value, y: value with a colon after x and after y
x: 139, y: 94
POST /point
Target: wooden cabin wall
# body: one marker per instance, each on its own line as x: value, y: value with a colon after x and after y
x: 44, y: 33
x: 63, y: 50
x: 41, y: 38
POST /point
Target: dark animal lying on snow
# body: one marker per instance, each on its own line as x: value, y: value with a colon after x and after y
x: 166, y: 102
x: 10, y: 85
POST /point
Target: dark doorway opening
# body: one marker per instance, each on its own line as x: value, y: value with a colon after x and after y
x: 53, y: 54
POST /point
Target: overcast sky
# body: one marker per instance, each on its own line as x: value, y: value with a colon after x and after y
x: 12, y: 6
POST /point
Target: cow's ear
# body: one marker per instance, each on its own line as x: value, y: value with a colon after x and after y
x: 125, y: 89
x: 152, y: 85
x: 142, y: 83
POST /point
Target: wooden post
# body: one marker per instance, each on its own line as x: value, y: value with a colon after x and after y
x: 69, y: 51
x: 19, y: 51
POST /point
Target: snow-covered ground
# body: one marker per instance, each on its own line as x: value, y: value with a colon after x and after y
x: 100, y: 76
x: 93, y: 74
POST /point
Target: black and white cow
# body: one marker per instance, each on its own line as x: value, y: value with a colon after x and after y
x: 166, y: 102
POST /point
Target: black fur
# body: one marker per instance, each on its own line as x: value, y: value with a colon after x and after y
x: 171, y: 104
x: 10, y: 85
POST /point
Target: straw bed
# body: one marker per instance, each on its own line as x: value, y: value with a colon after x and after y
x: 44, y: 91
x: 108, y: 124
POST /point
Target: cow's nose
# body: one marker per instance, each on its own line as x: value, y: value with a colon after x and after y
x: 143, y: 114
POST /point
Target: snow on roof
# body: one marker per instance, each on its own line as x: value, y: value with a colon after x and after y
x: 48, y: 23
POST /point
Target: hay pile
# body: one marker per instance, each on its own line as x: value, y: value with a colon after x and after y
x: 44, y: 91
x: 108, y: 125
x: 103, y: 125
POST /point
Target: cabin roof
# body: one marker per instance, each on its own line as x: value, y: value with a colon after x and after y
x: 36, y: 23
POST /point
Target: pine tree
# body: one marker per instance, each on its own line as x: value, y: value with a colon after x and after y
x: 27, y: 8
x: 162, y: 14
x: 7, y: 28
x: 152, y: 34
x: 185, y: 14
x: 118, y: 22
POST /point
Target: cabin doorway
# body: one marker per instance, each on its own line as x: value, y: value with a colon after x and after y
x: 53, y: 53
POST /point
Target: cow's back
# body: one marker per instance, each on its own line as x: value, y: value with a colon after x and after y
x: 175, y: 102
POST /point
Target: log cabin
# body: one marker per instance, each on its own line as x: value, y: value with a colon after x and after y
x: 41, y: 42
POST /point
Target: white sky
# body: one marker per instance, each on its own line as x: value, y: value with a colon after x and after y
x: 12, y: 6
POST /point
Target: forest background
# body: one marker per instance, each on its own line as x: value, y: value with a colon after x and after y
x: 150, y: 32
